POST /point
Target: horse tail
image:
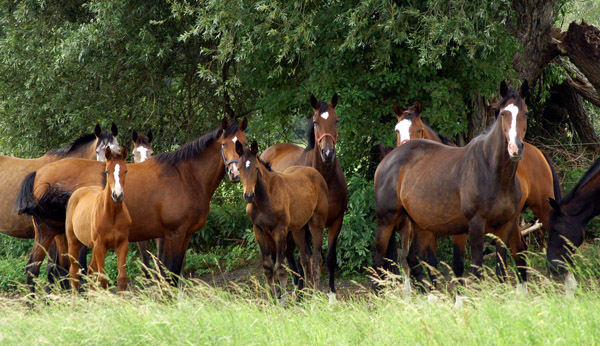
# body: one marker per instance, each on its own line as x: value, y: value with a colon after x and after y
x: 555, y: 182
x: 26, y: 204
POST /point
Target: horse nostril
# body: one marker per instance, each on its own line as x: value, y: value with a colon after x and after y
x: 249, y: 197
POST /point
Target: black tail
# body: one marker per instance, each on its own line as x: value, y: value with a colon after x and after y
x: 555, y: 182
x: 26, y: 204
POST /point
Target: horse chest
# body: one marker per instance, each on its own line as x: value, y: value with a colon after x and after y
x: 266, y: 220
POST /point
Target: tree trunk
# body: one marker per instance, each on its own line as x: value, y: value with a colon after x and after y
x: 568, y: 99
x: 481, y: 116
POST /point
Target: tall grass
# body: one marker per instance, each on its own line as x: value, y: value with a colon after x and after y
x: 493, y: 313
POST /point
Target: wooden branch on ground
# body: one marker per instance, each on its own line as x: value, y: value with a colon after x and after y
x: 537, y: 225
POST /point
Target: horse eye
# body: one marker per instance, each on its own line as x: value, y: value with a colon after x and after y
x: 105, y: 172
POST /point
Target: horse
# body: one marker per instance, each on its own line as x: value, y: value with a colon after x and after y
x: 283, y: 203
x: 427, y: 188
x: 13, y: 170
x: 141, y: 149
x: 568, y: 218
x: 322, y: 136
x: 536, y: 174
x: 168, y: 195
x: 98, y: 218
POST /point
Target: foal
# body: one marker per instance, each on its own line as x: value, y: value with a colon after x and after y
x: 279, y: 203
x: 98, y: 218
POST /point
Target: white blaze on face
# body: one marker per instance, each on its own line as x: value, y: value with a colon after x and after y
x: 512, y: 132
x: 118, y: 188
x: 234, y: 139
x: 143, y: 153
x: 248, y: 164
x: 325, y: 115
x: 403, y: 128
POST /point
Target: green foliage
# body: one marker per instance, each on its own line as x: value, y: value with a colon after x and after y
x: 355, y: 241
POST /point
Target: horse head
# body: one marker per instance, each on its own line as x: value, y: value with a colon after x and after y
x: 115, y: 171
x: 409, y: 125
x: 249, y: 169
x: 232, y: 134
x: 566, y: 233
x: 324, y: 123
x: 142, y: 146
x: 106, y: 139
x: 513, y: 112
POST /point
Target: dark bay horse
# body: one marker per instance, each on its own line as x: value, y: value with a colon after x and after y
x: 537, y: 179
x: 98, y: 218
x: 283, y: 203
x: 141, y: 150
x: 427, y: 188
x: 568, y: 219
x: 320, y: 154
x: 168, y: 195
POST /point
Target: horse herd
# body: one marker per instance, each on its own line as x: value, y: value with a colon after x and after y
x: 86, y: 195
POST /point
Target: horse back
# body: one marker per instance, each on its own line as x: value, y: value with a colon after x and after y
x: 283, y: 155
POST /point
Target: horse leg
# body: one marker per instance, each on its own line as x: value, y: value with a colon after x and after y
x: 390, y: 262
x: 173, y: 253
x: 266, y: 256
x: 99, y: 253
x: 332, y: 235
x: 63, y: 259
x: 518, y: 249
x: 406, y: 231
x: 145, y: 257
x: 121, y: 251
x: 43, y: 239
x: 299, y: 239
x: 316, y: 231
x: 459, y: 242
x: 74, y: 247
x: 385, y: 229
x: 476, y: 236
x: 289, y: 255
x: 280, y: 238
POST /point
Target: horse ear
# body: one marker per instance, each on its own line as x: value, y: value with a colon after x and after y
x: 554, y: 204
x: 244, y: 124
x: 149, y: 135
x: 239, y: 148
x: 114, y: 130
x: 224, y: 123
x: 417, y: 108
x: 503, y: 89
x: 525, y: 89
x: 123, y: 153
x: 334, y: 100
x: 397, y: 109
x: 254, y: 148
x: 313, y: 102
x: 134, y: 135
x: 108, y: 153
x: 97, y: 130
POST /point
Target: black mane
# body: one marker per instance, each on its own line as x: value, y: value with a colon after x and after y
x: 310, y: 129
x: 584, y: 180
x: 76, y: 145
x: 445, y: 139
x: 195, y: 147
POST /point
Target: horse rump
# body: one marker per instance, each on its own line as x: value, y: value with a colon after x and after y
x: 51, y: 205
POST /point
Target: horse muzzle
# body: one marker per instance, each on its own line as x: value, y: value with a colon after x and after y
x: 249, y: 197
x: 328, y: 155
x: 117, y: 197
x: 234, y: 175
x: 515, y: 151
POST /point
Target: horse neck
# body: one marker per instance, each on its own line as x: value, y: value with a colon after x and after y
x: 205, y: 169
x: 583, y: 204
x: 495, y: 153
x: 109, y: 206
x: 261, y: 189
x: 430, y: 134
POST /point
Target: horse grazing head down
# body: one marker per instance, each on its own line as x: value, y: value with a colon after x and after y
x: 513, y: 111
x: 142, y: 146
x: 249, y: 169
x: 324, y: 126
x: 232, y: 134
x: 409, y: 125
x: 116, y: 170
x: 106, y: 139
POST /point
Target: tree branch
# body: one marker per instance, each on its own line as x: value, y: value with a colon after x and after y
x: 579, y: 83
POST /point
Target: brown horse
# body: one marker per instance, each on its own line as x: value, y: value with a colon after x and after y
x: 283, y: 203
x: 537, y: 179
x: 141, y: 149
x: 436, y: 189
x: 168, y: 195
x: 14, y: 170
x: 320, y: 154
x: 98, y: 218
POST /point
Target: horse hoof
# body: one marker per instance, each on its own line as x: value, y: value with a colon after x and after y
x: 459, y: 301
x: 332, y: 297
x: 432, y: 297
x: 570, y: 285
x: 522, y: 288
